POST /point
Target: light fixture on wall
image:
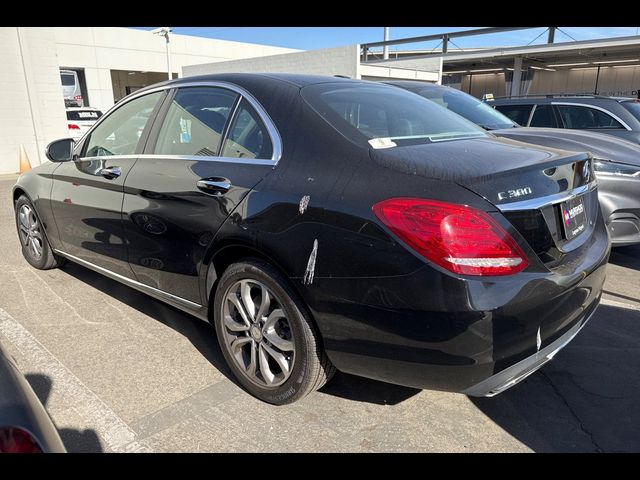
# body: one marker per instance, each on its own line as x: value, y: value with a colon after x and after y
x: 566, y: 64
x: 617, y: 61
x: 542, y: 68
x: 164, y: 32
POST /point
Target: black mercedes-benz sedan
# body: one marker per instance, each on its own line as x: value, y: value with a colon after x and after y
x: 616, y: 160
x: 324, y: 223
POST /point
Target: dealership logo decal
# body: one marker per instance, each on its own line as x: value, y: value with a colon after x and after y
x: 571, y: 214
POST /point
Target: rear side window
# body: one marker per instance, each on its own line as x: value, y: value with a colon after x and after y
x: 83, y: 114
x: 574, y: 116
x: 68, y: 79
x: 386, y: 116
x: 248, y: 136
x: 195, y: 121
x: 517, y: 113
x: 633, y: 107
x: 543, y: 117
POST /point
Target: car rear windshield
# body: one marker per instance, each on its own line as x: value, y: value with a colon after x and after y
x: 83, y: 114
x: 386, y: 116
x: 633, y: 106
x: 67, y: 79
x: 469, y: 107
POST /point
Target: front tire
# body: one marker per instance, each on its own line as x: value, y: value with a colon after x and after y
x: 33, y: 240
x: 266, y: 336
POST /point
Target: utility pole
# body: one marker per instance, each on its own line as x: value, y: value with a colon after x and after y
x: 552, y: 34
x: 164, y: 32
x: 385, y: 51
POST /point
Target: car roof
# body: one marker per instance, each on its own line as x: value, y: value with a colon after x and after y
x: 245, y: 79
x: 295, y: 79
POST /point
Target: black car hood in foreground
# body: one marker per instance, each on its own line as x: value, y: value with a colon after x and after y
x: 492, y: 167
x: 20, y: 407
x: 604, y: 147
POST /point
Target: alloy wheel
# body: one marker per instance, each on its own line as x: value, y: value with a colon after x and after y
x: 30, y: 231
x: 257, y: 333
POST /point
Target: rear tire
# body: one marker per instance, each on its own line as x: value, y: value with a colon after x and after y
x: 266, y: 335
x: 33, y: 239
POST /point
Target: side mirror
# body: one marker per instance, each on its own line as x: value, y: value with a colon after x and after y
x: 60, y: 150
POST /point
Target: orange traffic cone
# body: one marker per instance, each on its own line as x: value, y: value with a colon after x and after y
x: 25, y: 165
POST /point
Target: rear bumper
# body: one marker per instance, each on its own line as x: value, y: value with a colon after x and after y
x: 429, y: 330
x: 516, y: 373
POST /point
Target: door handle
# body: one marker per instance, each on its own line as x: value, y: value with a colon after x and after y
x: 111, y: 172
x: 214, y: 185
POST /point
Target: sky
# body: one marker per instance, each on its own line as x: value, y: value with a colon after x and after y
x: 308, y: 38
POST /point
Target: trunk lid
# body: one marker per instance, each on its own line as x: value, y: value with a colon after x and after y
x: 534, y: 187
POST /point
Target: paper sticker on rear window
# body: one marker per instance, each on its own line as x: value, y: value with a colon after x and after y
x: 382, y: 143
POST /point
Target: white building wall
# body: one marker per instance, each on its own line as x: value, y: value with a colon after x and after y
x: 31, y: 107
x: 101, y: 49
x: 620, y: 81
x: 327, y: 61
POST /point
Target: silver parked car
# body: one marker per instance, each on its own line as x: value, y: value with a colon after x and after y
x: 71, y: 88
x: 617, y: 164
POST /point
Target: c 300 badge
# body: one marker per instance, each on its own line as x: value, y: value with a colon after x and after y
x: 516, y: 193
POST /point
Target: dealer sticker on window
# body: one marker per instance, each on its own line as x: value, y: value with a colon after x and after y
x: 382, y: 142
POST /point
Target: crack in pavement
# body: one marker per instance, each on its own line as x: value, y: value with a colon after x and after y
x: 598, y: 448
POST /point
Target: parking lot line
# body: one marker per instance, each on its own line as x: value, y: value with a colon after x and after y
x: 113, y: 432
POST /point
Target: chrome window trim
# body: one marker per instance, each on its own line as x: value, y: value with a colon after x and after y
x: 196, y: 158
x: 130, y: 282
x: 276, y: 140
x: 603, y: 110
x: 536, y: 203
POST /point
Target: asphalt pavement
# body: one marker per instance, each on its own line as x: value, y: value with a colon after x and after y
x: 121, y: 372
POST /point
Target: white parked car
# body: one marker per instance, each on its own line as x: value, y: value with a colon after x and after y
x: 80, y: 120
x: 71, y: 88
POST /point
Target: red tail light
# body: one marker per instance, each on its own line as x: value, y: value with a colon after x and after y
x: 73, y: 126
x: 78, y: 97
x: 460, y: 239
x: 17, y: 440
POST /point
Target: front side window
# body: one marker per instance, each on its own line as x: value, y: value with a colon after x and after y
x: 386, y: 115
x: 120, y: 131
x: 469, y: 107
x: 248, y: 136
x: 195, y: 121
x: 517, y: 113
x: 543, y: 117
x: 574, y: 116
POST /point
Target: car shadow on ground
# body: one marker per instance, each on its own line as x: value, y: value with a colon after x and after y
x: 201, y: 334
x: 75, y: 441
x: 587, y: 399
x: 362, y: 389
x: 628, y: 257
x: 203, y: 337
